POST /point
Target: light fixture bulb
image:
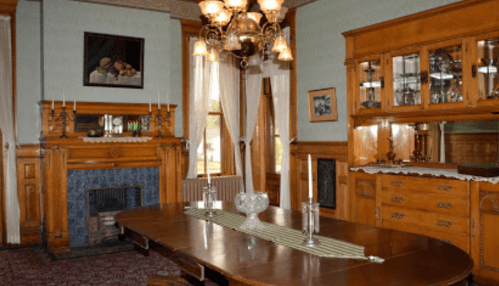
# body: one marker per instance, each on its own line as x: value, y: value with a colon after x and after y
x: 280, y: 44
x: 285, y: 55
x: 270, y: 5
x: 255, y: 16
x: 223, y: 17
x: 212, y: 55
x: 200, y: 48
x: 211, y: 8
x: 237, y: 5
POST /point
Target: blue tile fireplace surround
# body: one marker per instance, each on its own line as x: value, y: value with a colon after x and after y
x: 79, y: 181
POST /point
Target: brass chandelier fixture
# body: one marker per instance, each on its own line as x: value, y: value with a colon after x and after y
x: 235, y: 30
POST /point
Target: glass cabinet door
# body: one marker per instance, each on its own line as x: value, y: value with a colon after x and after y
x: 406, y: 80
x: 486, y: 69
x: 446, y: 77
x: 371, y: 84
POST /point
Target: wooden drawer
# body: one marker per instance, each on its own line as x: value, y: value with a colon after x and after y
x: 427, y: 201
x: 460, y: 240
x: 421, y: 184
x: 436, y: 221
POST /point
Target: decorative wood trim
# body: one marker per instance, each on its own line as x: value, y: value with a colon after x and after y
x: 299, y: 151
x: 447, y: 22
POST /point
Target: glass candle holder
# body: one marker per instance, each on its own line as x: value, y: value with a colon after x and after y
x: 209, y: 198
x: 310, y: 222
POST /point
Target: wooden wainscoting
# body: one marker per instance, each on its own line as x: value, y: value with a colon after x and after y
x: 29, y: 193
x: 299, y: 174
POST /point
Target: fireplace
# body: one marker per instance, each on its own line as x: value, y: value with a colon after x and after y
x: 95, y: 196
x: 103, y: 204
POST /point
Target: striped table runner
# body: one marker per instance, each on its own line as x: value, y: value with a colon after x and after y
x: 292, y: 238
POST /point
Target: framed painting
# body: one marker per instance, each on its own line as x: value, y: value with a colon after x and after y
x: 322, y: 105
x: 113, y: 61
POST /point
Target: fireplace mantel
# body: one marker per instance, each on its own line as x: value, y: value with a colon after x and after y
x: 62, y: 154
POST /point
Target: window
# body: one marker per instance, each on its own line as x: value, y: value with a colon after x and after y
x: 210, y: 151
x: 274, y: 145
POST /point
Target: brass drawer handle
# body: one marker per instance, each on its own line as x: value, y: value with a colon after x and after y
x: 398, y: 215
x: 444, y: 188
x: 444, y: 205
x: 397, y: 183
x: 444, y: 223
x: 397, y: 199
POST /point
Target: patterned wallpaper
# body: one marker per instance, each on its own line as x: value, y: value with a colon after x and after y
x: 178, y: 9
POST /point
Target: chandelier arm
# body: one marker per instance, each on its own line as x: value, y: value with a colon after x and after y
x: 270, y: 31
x: 212, y: 35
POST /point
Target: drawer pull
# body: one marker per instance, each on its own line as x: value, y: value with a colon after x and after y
x: 444, y: 223
x: 444, y: 188
x: 397, y: 199
x: 448, y: 241
x: 397, y: 183
x: 398, y: 215
x: 444, y: 205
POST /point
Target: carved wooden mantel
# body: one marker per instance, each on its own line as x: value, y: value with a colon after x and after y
x: 60, y: 155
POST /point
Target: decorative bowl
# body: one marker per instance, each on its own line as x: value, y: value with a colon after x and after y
x: 252, y: 204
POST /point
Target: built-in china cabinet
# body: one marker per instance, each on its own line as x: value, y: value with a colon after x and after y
x: 423, y: 92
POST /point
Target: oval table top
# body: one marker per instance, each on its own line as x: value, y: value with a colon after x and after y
x: 410, y: 259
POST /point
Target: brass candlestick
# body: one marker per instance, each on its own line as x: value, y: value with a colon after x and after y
x: 62, y: 116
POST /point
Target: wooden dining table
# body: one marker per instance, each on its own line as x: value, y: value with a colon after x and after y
x: 200, y: 246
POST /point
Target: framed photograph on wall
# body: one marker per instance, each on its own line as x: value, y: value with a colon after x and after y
x: 113, y: 61
x: 322, y: 105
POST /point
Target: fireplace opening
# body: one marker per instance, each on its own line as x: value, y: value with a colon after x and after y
x: 104, y: 204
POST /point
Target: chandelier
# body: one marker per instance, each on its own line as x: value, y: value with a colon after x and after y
x: 235, y: 30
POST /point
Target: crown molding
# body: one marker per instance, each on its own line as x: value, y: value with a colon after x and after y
x: 178, y: 9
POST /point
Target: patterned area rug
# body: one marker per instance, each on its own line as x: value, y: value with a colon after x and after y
x: 36, y: 266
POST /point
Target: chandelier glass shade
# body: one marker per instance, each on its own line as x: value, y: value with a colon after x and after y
x: 234, y: 30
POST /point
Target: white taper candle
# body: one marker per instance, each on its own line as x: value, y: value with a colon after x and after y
x: 310, y: 190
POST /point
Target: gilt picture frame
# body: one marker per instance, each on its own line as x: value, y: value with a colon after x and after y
x: 113, y: 61
x: 322, y: 105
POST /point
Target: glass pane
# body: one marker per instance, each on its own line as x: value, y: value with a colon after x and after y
x: 406, y: 83
x: 488, y: 79
x: 365, y: 144
x: 214, y: 102
x: 200, y: 163
x: 278, y: 154
x: 446, y: 83
x: 370, y: 84
x: 213, y: 143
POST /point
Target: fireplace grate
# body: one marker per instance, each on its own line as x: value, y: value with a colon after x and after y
x: 113, y: 199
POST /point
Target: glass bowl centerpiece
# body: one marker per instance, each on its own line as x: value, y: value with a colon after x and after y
x: 252, y: 203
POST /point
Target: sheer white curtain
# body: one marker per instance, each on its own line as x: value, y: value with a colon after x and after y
x: 205, y: 83
x: 279, y: 79
x: 229, y: 97
x: 7, y: 127
x: 253, y: 89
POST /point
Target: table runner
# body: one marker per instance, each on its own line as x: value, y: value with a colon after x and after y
x: 292, y: 238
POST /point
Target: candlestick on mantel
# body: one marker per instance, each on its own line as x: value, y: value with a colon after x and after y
x: 64, y: 97
x: 310, y: 190
x: 149, y: 103
x: 74, y: 103
x: 168, y: 101
x: 53, y: 95
x: 159, y: 105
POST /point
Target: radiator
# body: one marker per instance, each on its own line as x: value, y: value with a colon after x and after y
x: 227, y: 188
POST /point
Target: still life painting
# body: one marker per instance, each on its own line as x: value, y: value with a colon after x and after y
x: 113, y: 61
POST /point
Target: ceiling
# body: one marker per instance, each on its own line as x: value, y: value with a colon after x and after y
x: 178, y: 9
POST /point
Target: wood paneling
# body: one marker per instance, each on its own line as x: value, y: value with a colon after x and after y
x: 471, y: 147
x: 29, y: 193
x: 2, y: 192
x: 299, y: 174
x: 485, y: 219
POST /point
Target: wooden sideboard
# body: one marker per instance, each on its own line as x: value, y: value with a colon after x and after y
x: 462, y: 213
